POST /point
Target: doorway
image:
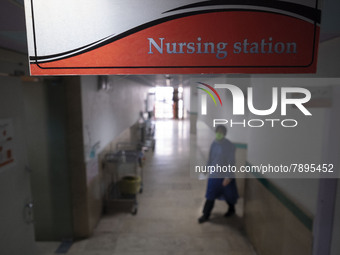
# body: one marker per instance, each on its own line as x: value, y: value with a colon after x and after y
x: 168, y: 102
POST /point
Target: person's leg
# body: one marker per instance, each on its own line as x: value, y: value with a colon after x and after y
x: 208, y: 206
x: 231, y: 210
x: 231, y: 196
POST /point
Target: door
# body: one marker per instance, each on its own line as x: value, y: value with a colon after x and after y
x: 16, y: 219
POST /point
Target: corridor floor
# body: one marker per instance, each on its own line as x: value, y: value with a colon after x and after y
x: 171, y: 202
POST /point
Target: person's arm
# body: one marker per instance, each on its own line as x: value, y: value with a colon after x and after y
x: 210, y: 155
x: 226, y: 181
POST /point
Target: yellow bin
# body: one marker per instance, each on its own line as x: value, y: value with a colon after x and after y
x: 130, y: 185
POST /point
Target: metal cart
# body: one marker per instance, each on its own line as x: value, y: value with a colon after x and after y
x: 126, y: 173
x: 148, y: 139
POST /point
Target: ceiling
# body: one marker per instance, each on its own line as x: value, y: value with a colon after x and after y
x: 12, y: 26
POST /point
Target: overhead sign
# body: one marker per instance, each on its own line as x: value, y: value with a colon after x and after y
x: 159, y: 36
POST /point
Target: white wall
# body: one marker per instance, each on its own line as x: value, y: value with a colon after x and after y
x: 299, y: 144
x: 106, y: 114
x: 302, y: 144
x: 186, y: 99
x: 16, y: 235
x: 331, y: 153
x: 335, y: 246
x: 281, y: 145
x: 329, y: 58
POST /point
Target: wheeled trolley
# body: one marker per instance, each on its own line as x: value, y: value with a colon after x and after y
x: 148, y: 138
x: 126, y: 173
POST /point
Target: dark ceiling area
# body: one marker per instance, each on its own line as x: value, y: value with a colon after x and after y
x: 12, y: 26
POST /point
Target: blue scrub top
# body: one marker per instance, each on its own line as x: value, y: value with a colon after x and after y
x: 222, y: 153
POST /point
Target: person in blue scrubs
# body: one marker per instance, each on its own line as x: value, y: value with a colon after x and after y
x: 221, y: 185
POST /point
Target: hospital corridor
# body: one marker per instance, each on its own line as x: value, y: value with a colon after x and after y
x: 62, y: 158
x: 169, y: 127
x: 171, y: 202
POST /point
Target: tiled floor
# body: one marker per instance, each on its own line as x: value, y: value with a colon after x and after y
x: 171, y: 202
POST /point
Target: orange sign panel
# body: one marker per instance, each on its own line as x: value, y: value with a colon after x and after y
x: 114, y: 37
